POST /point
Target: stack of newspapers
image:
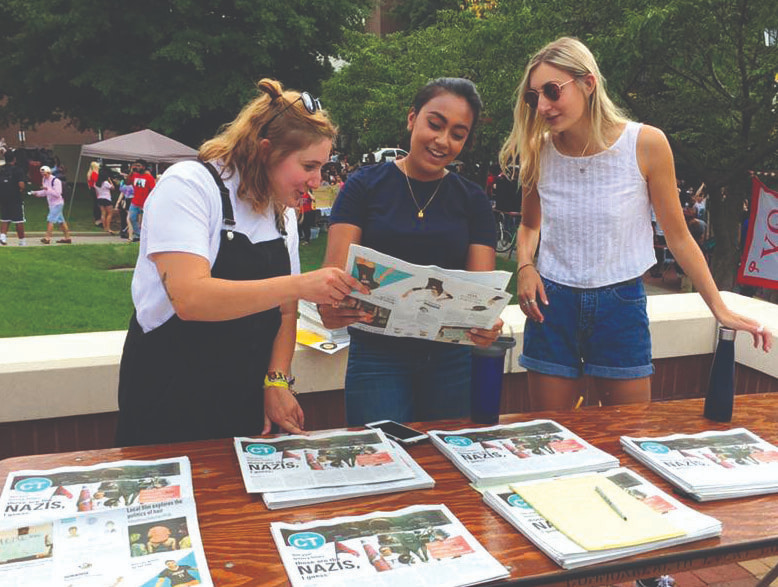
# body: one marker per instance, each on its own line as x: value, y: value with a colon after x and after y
x: 122, y: 522
x: 711, y: 465
x: 312, y: 332
x: 298, y: 470
x: 568, y: 553
x: 521, y: 451
x: 417, y: 545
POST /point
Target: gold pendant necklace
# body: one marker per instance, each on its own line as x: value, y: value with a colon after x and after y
x: 421, y: 209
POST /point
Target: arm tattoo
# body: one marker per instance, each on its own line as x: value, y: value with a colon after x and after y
x: 164, y: 284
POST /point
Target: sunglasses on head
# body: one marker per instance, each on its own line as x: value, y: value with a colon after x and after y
x: 551, y: 90
x: 311, y: 104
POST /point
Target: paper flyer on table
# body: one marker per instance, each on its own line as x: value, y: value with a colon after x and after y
x: 594, y: 512
x: 319, y: 460
x: 113, y: 524
x: 419, y: 545
x: 424, y: 301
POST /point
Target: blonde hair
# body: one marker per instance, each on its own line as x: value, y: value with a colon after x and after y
x: 93, y: 166
x: 529, y: 133
x: 238, y: 144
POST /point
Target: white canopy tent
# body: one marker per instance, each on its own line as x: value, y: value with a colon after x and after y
x: 143, y: 144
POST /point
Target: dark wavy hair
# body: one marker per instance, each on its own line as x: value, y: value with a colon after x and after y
x: 458, y: 86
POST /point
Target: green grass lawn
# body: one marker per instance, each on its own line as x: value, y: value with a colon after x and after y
x: 58, y: 290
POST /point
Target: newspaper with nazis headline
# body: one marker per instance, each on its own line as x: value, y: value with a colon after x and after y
x: 422, y: 545
x: 520, y: 451
x: 711, y: 465
x: 286, y: 499
x: 112, y: 524
x: 329, y: 459
x: 425, y: 302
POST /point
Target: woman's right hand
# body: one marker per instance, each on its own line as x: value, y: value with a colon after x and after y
x: 340, y: 316
x: 531, y: 292
x: 328, y: 285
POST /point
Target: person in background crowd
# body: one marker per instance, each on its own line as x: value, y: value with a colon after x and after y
x: 91, y: 182
x: 581, y: 156
x: 103, y: 188
x: 307, y: 215
x: 123, y: 205
x: 12, y: 186
x: 142, y: 182
x: 417, y: 210
x: 218, y: 277
x: 52, y: 191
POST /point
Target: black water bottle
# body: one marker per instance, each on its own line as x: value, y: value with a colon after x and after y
x: 721, y: 387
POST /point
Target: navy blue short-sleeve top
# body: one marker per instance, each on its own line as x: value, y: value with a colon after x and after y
x: 377, y: 200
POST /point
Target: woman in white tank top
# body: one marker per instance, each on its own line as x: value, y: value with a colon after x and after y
x: 590, y: 177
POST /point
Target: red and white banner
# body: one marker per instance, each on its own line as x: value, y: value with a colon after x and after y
x: 759, y: 265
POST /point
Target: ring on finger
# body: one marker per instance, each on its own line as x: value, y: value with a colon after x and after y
x: 531, y: 302
x: 760, y: 329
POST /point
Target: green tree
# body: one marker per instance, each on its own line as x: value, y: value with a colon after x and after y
x: 369, y: 98
x: 182, y: 67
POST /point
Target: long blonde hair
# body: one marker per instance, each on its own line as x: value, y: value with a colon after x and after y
x: 238, y: 144
x: 94, y: 166
x: 529, y: 133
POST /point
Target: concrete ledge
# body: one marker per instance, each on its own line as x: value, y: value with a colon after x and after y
x: 73, y: 374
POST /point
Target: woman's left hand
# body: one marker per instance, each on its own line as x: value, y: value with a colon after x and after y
x: 760, y: 334
x: 483, y: 337
x: 282, y: 408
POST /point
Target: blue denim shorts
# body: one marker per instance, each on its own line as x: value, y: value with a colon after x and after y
x: 55, y: 214
x: 601, y: 332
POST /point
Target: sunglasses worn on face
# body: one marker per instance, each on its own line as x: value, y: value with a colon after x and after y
x: 551, y: 90
x: 312, y: 105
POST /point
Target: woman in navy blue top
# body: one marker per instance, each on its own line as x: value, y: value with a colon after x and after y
x: 415, y: 210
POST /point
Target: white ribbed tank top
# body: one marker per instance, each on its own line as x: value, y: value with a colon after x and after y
x: 596, y: 215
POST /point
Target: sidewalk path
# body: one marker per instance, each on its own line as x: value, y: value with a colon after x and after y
x: 79, y: 238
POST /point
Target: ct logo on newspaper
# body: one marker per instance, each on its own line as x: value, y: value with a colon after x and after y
x: 654, y: 447
x: 517, y: 502
x: 458, y: 440
x: 33, y: 484
x: 306, y: 540
x: 262, y: 450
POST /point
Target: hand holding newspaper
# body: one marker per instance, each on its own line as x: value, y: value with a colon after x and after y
x: 424, y: 301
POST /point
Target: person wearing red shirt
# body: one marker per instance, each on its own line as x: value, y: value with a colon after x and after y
x: 307, y: 216
x: 142, y: 182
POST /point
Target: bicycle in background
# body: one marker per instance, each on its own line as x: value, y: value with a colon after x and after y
x: 507, y: 226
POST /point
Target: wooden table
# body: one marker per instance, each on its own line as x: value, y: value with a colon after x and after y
x: 240, y: 551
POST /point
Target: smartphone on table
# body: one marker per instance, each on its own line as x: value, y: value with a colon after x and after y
x: 397, y: 431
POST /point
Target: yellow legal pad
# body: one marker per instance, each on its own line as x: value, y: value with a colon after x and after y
x: 575, y: 508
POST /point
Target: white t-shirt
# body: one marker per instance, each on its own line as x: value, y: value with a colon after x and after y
x: 104, y: 190
x: 185, y: 216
